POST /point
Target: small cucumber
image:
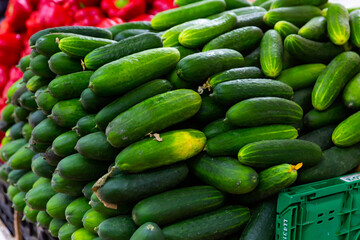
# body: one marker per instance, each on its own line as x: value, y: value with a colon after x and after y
x: 271, y: 53
x: 75, y: 211
x: 15, y: 130
x: 64, y: 144
x: 45, y: 101
x: 355, y: 27
x: 338, y: 25
x: 27, y: 101
x: 178, y: 83
x: 27, y: 75
x: 87, y: 190
x: 240, y: 11
x: 316, y: 119
x: 66, y: 113
x: 55, y: 225
x: 41, y: 167
x: 12, y: 191
x: 40, y: 67
x: 15, y: 97
x: 18, y: 202
x: 66, y: 231
x: 15, y: 86
x: 26, y: 131
x: 25, y: 183
x: 287, y: 3
x: 92, y: 219
x: 20, y: 114
x: 128, y: 33
x: 70, y: 187
x: 46, y: 131
x: 120, y: 227
x: 351, y: 94
x: 148, y: 231
x: 321, y: 137
x: 285, y: 28
x: 315, y: 29
x: 37, y: 146
x: 347, y: 132
x: 184, y: 52
x: 48, y: 44
x: 130, y: 25
x: 210, y: 110
x: 24, y: 63
x: 7, y: 114
x: 15, y: 175
x: 30, y: 214
x: 22, y: 158
x: 51, y: 157
x: 216, y: 128
x: 86, y: 125
x: 57, y: 204
x: 83, y: 234
x: 35, y: 83
x: 43, y: 219
x: 62, y: 64
x: 98, y: 206
x: 38, y: 196
x: 235, y: 4
x: 235, y: 73
x: 93, y: 103
x: 252, y: 19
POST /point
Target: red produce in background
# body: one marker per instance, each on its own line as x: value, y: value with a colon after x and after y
x: 143, y: 17
x: 17, y: 13
x: 109, y: 22
x: 87, y: 3
x: 124, y: 9
x: 161, y: 5
x: 10, y: 48
x: 89, y: 16
x: 4, y: 75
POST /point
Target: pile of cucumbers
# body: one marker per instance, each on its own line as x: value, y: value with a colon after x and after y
x: 185, y: 127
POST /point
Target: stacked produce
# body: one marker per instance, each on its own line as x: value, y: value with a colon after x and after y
x: 173, y: 129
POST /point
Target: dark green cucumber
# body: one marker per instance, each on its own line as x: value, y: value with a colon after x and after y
x: 271, y: 53
x: 41, y: 167
x: 128, y: 33
x: 43, y: 219
x: 225, y: 173
x: 55, y: 225
x: 15, y: 175
x: 315, y: 29
x: 267, y: 5
x: 27, y: 101
x: 4, y: 171
x: 87, y: 190
x: 234, y: 4
x: 26, y: 182
x: 51, y: 157
x: 178, y: 83
x: 131, y: 71
x: 24, y: 63
x: 172, y: 17
x: 46, y: 131
x: 217, y: 127
x: 271, y: 181
x: 70, y: 86
x: 298, y: 15
x: 21, y: 114
x: 16, y: 85
x: 40, y: 67
x: 112, y: 52
x: 235, y: 73
x: 64, y: 144
x: 22, y: 158
x: 148, y: 231
x: 4, y: 126
x: 175, y: 146
x: 66, y: 231
x: 44, y: 100
x: 336, y: 162
x: 355, y: 27
x: 240, y: 11
x: 78, y: 168
x: 213, y: 225
x: 252, y: 19
x: 48, y: 44
x: 145, y: 91
x: 184, y: 52
x: 12, y: 191
x: 7, y: 114
x: 198, y: 67
x: 130, y: 25
x: 302, y: 76
x: 62, y: 64
x: 210, y: 110
x: 129, y: 188
x: 95, y: 146
x: 93, y: 103
x: 38, y: 196
x: 35, y: 83
x: 332, y: 80
x: 338, y: 25
x: 30, y: 214
x: 38, y: 146
x: 315, y: 119
x: 18, y: 202
x: 15, y: 130
x: 302, y: 97
x: 28, y: 74
x: 66, y: 113
x: 75, y: 211
x: 264, y: 110
x: 285, y: 28
x: 15, y: 97
x: 40, y: 181
x: 92, y: 219
x: 234, y: 91
x: 321, y: 136
x: 262, y: 222
x: 311, y: 51
x: 98, y: 206
x: 287, y: 3
x: 351, y: 94
x: 121, y: 227
x: 70, y: 187
x: 83, y: 234
x: 189, y: 201
x: 26, y: 131
x: 230, y: 142
x: 347, y: 133
x: 86, y: 125
x: 57, y: 204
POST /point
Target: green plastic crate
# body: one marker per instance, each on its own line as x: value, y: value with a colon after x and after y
x: 325, y: 210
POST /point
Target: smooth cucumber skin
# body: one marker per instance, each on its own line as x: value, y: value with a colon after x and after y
x: 66, y: 231
x: 35, y: 83
x: 235, y: 73
x: 40, y: 67
x: 172, y: 17
x: 64, y: 144
x: 332, y: 80
x: 151, y: 116
x: 11, y: 148
x: 129, y: 33
x: 22, y: 158
x: 41, y: 168
x: 40, y: 181
x: 321, y: 136
x: 26, y: 131
x: 240, y: 11
x: 70, y: 187
x: 57, y: 204
x: 338, y: 25
x: 285, y: 28
x: 98, y: 206
x: 315, y: 119
x: 121, y: 227
x: 27, y: 75
x: 315, y: 29
x: 178, y: 83
x: 7, y: 112
x: 43, y: 219
x: 269, y: 153
x: 95, y: 146
x: 287, y: 3
x: 241, y: 39
x: 198, y: 35
x: 131, y: 71
x: 130, y: 188
x: 55, y: 225
x: 87, y: 190
x: 264, y: 110
x: 48, y: 44
x: 213, y: 225
x: 301, y: 76
x: 189, y: 201
x: 198, y: 67
x: 271, y: 53
x: 26, y: 182
x: 234, y: 4
x: 83, y: 234
x: 148, y: 231
x: 75, y: 211
x: 252, y: 19
x: 209, y: 111
x: 62, y: 64
x: 298, y: 15
x: 347, y: 132
x: 30, y: 214
x: 38, y: 196
x: 302, y: 97
x: 103, y: 55
x: 15, y: 175
x: 262, y: 222
x: 45, y: 101
x: 18, y: 202
x: 128, y: 100
x: 92, y: 219
x: 181, y: 3
x: 66, y: 113
x: 351, y: 94
x: 12, y: 191
x: 225, y: 173
x: 15, y: 130
x: 93, y: 103
x: 51, y: 157
x: 27, y: 101
x: 355, y: 27
x: 46, y: 131
x: 311, y: 51
x: 234, y: 91
x: 184, y: 52
x: 16, y: 85
x: 230, y: 142
x: 86, y: 125
x: 24, y: 63
x: 130, y: 25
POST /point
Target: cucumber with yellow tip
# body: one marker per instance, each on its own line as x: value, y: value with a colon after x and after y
x: 338, y: 25
x: 271, y: 53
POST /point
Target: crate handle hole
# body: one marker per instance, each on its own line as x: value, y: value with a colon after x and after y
x: 320, y: 222
x: 331, y: 218
x: 332, y: 211
x: 320, y: 214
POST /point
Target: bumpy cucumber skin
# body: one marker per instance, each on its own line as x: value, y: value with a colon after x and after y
x: 38, y: 196
x: 347, y: 132
x: 24, y: 63
x: 338, y: 25
x: 76, y: 210
x: 332, y: 80
x: 62, y: 185
x: 64, y: 144
x: 66, y: 231
x: 271, y: 53
x: 351, y: 94
x: 41, y: 168
x: 128, y: 33
x: 66, y: 113
x: 46, y: 131
x: 285, y: 28
x: 86, y: 125
x: 130, y: 25
x: 120, y: 227
x: 62, y: 64
x: 40, y: 67
x: 148, y: 231
x: 22, y: 158
x: 321, y: 137
x: 315, y: 29
x: 355, y: 27
x: 57, y: 204
x: 235, y: 73
x: 93, y: 103
x: 48, y: 44
x: 287, y: 3
x: 45, y: 101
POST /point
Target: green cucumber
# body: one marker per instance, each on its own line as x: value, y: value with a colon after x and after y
x: 332, y: 80
x: 271, y: 53
x: 87, y: 190
x: 22, y: 158
x: 151, y: 116
x: 178, y: 83
x: 46, y: 131
x: 48, y: 44
x: 128, y: 33
x: 198, y: 67
x: 40, y: 67
x: 131, y: 71
x: 311, y: 51
x: 26, y: 131
x: 130, y: 25
x: 210, y: 110
x: 44, y: 100
x: 83, y: 234
x: 298, y: 15
x: 55, y: 225
x: 64, y: 144
x: 234, y: 4
x: 338, y: 25
x: 242, y: 39
x: 16, y: 85
x: 30, y: 214
x: 347, y: 132
x: 355, y: 27
x: 252, y: 19
x: 70, y: 86
x: 321, y: 136
x: 287, y: 3
x: 235, y: 73
x: 130, y: 188
x: 240, y: 11
x: 24, y: 63
x: 66, y: 113
x: 198, y: 35
x: 267, y: 5
x: 15, y: 130
x: 43, y: 219
x: 213, y: 225
x: 12, y: 191
x: 172, y: 17
x: 259, y: 2
x: 264, y: 110
x: 234, y: 91
x: 334, y: 114
x: 18, y: 202
x: 121, y: 227
x: 15, y: 97
x: 95, y: 146
x: 175, y: 205
x: 20, y: 114
x: 35, y: 83
x: 70, y: 187
x: 86, y: 125
x: 148, y: 231
x: 38, y: 196
x: 4, y: 171
x: 93, y: 103
x: 351, y: 94
x: 98, y: 206
x: 57, y: 204
x: 285, y: 28
x: 41, y: 167
x: 175, y: 146
x: 315, y: 29
x: 26, y: 182
x: 66, y: 231
x: 225, y: 173
x: 51, y: 157
x: 302, y: 97
x: 230, y: 142
x: 92, y: 219
x: 80, y: 46
x: 4, y: 126
x: 62, y: 64
x: 269, y: 153
x: 181, y: 3
x: 78, y: 168
x: 112, y: 52
x: 184, y: 52
x: 217, y: 127
x: 301, y: 76
x: 7, y: 114
x: 75, y: 211
x: 15, y: 175
x: 27, y: 101
x: 28, y: 74
x: 40, y: 181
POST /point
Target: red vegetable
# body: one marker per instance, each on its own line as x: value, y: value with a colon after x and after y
x: 89, y: 16
x: 143, y: 17
x: 4, y: 75
x: 109, y: 22
x: 14, y: 75
x: 17, y: 13
x: 10, y: 48
x: 87, y: 3
x: 161, y: 5
x: 124, y: 9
